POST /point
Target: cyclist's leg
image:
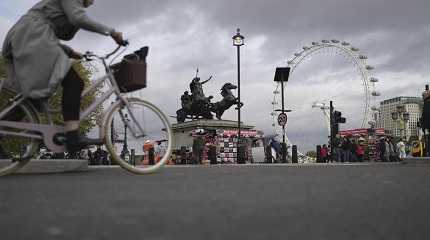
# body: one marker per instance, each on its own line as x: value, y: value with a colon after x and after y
x: 73, y: 85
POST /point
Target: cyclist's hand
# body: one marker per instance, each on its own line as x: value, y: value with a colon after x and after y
x: 76, y: 55
x: 117, y: 37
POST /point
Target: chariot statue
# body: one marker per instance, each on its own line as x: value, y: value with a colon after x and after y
x: 198, y: 106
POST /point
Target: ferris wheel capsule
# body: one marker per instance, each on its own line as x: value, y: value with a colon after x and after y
x: 335, y: 41
x: 325, y: 41
x: 297, y: 54
x: 376, y: 94
x: 368, y: 67
x: 354, y: 49
x: 374, y: 108
x: 345, y: 44
x: 306, y: 48
x: 290, y: 62
x: 374, y: 80
x: 362, y: 57
x: 315, y: 43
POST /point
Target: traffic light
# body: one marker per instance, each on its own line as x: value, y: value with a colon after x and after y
x: 335, y: 129
x: 337, y: 117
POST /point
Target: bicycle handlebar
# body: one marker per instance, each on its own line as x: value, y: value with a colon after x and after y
x: 89, y: 55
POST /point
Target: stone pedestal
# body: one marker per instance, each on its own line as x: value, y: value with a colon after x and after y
x: 182, y: 132
x: 219, y: 133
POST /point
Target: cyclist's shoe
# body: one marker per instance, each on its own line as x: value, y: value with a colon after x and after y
x: 76, y: 142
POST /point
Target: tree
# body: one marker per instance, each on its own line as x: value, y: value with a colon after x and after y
x: 55, y: 100
x: 2, y: 68
x: 311, y: 154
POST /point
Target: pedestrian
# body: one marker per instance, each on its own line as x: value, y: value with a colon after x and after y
x: 83, y: 155
x: 100, y: 156
x: 354, y: 155
x: 382, y: 149
x: 391, y: 150
x: 401, y: 149
x: 37, y: 62
x: 160, y: 150
x: 338, y: 148
x: 347, y: 150
x: 359, y: 150
x: 90, y: 157
x: 324, y: 153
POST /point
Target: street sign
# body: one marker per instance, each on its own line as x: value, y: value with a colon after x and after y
x: 282, y: 74
x: 282, y: 119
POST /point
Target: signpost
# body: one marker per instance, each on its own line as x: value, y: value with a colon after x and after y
x: 282, y: 75
x: 282, y: 119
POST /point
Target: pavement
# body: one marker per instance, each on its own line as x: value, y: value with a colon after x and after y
x: 38, y: 166
x: 356, y: 201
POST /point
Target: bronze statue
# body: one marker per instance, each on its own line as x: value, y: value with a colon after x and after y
x: 196, y: 88
x: 228, y: 100
x: 198, y: 106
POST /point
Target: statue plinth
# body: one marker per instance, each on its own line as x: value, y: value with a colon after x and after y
x: 183, y: 132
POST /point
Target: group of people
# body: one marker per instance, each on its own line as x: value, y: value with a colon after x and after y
x: 390, y: 151
x: 98, y: 157
x: 346, y: 150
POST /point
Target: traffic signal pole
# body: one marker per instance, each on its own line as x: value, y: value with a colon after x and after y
x: 331, y: 130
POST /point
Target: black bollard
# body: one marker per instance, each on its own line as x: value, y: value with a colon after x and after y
x: 183, y: 155
x: 268, y: 154
x: 294, y: 154
x: 212, y: 154
x: 318, y: 154
x: 133, y: 157
x: 241, y: 155
x: 284, y: 152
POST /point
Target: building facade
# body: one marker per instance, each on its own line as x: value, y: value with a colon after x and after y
x: 400, y: 116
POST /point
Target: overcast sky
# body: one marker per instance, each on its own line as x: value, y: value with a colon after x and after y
x: 184, y: 35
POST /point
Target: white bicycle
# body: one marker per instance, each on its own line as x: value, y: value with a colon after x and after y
x: 127, y: 122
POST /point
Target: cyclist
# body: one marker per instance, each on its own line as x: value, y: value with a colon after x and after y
x: 37, y: 62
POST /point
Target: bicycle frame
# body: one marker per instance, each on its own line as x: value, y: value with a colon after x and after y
x: 47, y: 132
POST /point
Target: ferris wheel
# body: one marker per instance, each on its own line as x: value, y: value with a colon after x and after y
x: 355, y: 60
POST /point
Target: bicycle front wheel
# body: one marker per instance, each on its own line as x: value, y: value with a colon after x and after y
x: 15, y: 148
x: 138, y: 136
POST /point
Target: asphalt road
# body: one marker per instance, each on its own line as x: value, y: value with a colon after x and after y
x: 229, y: 202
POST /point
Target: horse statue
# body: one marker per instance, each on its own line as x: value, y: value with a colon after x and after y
x: 228, y: 100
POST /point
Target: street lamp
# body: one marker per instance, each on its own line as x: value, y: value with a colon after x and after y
x: 238, y: 41
x: 124, y: 152
x: 402, y: 117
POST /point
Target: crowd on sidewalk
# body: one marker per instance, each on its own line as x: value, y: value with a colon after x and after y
x: 346, y: 149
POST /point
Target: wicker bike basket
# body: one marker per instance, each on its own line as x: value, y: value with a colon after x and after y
x: 130, y: 75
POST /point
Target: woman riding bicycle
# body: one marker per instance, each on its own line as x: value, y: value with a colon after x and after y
x: 37, y: 62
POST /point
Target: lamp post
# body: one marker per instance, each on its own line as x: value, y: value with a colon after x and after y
x: 402, y: 117
x: 124, y: 152
x: 238, y: 41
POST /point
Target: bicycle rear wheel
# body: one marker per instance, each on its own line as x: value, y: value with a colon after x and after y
x: 16, y: 151
x: 152, y: 148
